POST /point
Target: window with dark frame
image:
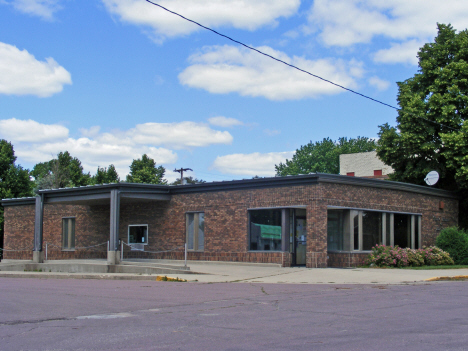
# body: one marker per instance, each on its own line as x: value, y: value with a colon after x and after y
x: 360, y: 230
x: 195, y: 231
x: 265, y: 230
x: 68, y: 233
x: 138, y: 234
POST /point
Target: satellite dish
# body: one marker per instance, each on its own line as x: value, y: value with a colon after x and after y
x: 432, y: 178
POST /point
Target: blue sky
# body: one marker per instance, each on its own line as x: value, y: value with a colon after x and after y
x: 110, y: 80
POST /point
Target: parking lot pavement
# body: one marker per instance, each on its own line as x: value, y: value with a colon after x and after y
x: 70, y: 314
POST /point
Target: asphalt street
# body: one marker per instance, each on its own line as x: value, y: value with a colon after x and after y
x: 71, y: 314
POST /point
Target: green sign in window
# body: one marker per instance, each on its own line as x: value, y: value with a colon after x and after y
x: 269, y: 231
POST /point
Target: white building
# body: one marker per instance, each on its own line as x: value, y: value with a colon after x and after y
x: 364, y: 164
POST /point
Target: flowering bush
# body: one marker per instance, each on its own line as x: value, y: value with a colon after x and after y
x: 387, y: 256
x: 433, y: 256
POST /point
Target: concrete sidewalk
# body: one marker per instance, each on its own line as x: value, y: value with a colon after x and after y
x: 252, y: 273
x: 217, y: 272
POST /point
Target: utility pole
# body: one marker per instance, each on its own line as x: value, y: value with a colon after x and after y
x: 181, y: 171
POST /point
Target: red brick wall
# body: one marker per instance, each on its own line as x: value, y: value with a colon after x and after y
x: 18, y: 232
x: 226, y: 227
x: 92, y: 225
x: 346, y: 259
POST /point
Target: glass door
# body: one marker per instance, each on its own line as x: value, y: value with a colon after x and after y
x: 300, y: 239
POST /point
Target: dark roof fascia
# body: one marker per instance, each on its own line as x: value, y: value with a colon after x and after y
x: 18, y: 202
x: 99, y: 191
x: 255, y: 183
x: 106, y: 188
x: 384, y: 184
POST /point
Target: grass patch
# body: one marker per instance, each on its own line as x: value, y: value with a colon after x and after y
x: 454, y: 266
x: 447, y: 279
x: 165, y: 278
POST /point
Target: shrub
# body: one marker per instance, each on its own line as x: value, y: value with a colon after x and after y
x: 455, y: 242
x: 415, y: 258
x: 434, y: 256
x: 387, y: 256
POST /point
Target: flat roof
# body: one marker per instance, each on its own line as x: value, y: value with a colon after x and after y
x: 164, y: 192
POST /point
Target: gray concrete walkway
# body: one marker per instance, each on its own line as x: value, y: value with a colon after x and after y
x: 217, y: 272
x: 258, y: 273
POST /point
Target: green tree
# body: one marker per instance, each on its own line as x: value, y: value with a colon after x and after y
x: 323, y: 156
x: 61, y: 172
x: 14, y: 180
x: 144, y: 170
x: 431, y: 131
x: 106, y: 176
x: 190, y: 180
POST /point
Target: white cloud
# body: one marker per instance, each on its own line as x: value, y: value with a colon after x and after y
x: 227, y: 69
x: 41, y: 8
x: 90, y: 132
x: 241, y: 14
x: 93, y: 153
x: 347, y: 22
x: 178, y: 135
x: 22, y: 74
x: 400, y: 53
x: 225, y: 122
x: 408, y: 24
x: 253, y: 164
x: 37, y: 142
x: 31, y: 131
x: 380, y: 84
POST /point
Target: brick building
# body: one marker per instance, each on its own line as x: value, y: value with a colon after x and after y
x: 317, y: 220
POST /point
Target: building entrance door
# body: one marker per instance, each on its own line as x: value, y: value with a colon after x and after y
x: 300, y: 240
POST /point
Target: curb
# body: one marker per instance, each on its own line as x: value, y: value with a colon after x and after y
x: 455, y: 278
x: 113, y: 276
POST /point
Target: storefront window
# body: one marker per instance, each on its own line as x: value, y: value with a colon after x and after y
x: 265, y: 230
x: 402, y: 230
x: 357, y: 230
x: 371, y: 229
x: 338, y: 230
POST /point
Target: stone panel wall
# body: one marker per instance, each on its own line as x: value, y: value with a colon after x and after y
x: 363, y: 164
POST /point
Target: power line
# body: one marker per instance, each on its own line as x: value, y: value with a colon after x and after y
x: 293, y: 66
x: 181, y: 171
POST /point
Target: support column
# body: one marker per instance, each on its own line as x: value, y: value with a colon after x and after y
x: 285, y: 235
x: 285, y: 229
x: 113, y: 255
x: 38, y: 254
